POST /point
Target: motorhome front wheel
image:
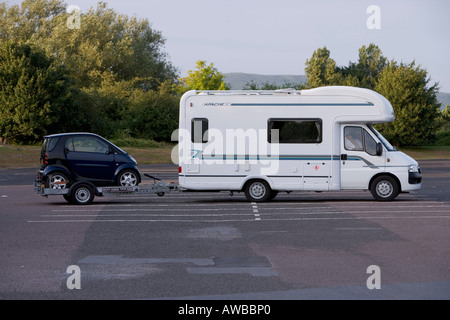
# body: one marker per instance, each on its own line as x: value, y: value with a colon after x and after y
x: 384, y: 188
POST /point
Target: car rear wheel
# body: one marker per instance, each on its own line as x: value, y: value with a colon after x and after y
x: 127, y: 178
x: 58, y: 181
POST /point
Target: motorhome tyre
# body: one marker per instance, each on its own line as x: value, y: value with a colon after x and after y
x: 257, y: 191
x: 385, y: 188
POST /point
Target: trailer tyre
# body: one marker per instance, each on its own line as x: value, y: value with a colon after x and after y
x: 385, y: 188
x: 82, y: 194
x: 257, y: 191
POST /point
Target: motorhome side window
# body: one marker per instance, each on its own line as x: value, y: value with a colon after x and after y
x: 199, y: 130
x: 295, y: 131
x: 358, y: 139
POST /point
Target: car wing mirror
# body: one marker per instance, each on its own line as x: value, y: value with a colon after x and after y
x: 66, y: 151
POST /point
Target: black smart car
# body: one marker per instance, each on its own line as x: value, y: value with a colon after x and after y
x: 70, y: 157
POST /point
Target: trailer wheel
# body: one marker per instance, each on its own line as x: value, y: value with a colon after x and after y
x: 384, y: 188
x: 68, y: 198
x: 257, y: 191
x: 82, y: 194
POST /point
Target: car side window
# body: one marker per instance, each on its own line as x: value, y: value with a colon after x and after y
x: 86, y: 144
x: 69, y: 144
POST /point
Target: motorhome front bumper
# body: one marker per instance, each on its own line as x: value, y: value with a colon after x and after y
x: 415, y: 177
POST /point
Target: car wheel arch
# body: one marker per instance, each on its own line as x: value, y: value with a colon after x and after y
x: 121, y: 169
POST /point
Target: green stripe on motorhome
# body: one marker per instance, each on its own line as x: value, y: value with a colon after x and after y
x: 368, y: 104
x: 267, y: 157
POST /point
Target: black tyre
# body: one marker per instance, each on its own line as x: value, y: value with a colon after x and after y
x: 82, y: 194
x: 273, y: 194
x: 257, y: 191
x: 67, y: 198
x: 128, y: 178
x: 385, y: 188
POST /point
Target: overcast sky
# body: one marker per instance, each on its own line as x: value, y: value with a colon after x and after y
x: 277, y: 36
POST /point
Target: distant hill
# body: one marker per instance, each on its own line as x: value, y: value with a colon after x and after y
x: 238, y: 80
x: 444, y: 99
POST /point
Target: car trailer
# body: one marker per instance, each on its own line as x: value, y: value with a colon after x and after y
x: 84, y: 192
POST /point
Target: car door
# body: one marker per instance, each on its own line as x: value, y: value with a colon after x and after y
x: 90, y: 158
x: 362, y: 157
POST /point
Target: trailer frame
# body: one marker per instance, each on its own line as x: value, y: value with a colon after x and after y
x: 83, y: 192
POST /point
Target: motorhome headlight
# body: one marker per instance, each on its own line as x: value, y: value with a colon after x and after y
x: 413, y: 168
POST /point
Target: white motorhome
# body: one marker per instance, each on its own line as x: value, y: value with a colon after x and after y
x: 265, y: 142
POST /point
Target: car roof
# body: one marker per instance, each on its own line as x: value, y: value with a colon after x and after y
x: 71, y: 134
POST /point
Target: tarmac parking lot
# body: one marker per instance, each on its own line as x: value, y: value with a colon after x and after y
x: 216, y: 246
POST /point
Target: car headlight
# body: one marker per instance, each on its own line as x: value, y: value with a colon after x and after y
x: 413, y: 168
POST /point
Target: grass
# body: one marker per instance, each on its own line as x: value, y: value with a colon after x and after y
x: 151, y: 152
x: 12, y: 156
x: 427, y: 152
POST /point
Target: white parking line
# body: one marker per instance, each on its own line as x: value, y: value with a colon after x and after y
x: 237, y: 220
x: 256, y: 212
x: 146, y: 210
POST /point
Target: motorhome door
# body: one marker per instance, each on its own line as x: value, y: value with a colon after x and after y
x: 361, y: 157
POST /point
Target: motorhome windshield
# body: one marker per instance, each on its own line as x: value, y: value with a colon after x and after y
x: 382, y: 139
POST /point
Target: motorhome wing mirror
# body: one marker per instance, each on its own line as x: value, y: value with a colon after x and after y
x: 379, y: 149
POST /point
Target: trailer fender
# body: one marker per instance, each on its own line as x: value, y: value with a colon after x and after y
x: 83, y: 182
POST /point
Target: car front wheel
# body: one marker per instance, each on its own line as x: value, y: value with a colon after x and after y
x: 127, y: 178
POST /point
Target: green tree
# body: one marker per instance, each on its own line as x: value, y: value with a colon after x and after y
x: 320, y: 70
x: 106, y: 44
x: 36, y: 95
x: 152, y: 114
x: 415, y: 104
x: 364, y: 73
x: 31, y: 21
x: 205, y: 77
x: 252, y: 85
x: 445, y: 113
x: 406, y: 86
x: 114, y: 60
